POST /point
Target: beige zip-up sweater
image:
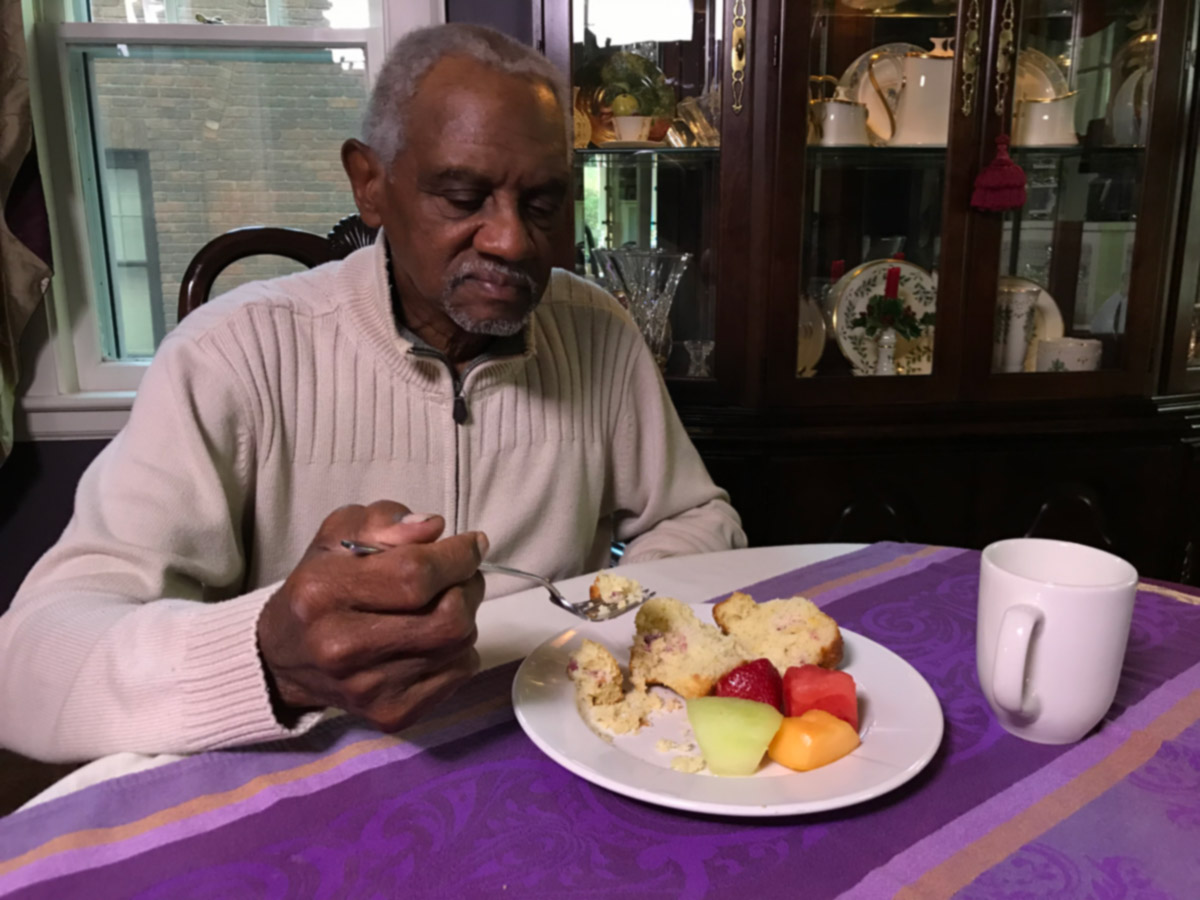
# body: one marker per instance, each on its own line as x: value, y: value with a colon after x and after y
x: 272, y: 406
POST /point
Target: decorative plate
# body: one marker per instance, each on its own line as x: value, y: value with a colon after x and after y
x: 1039, y: 77
x: 810, y: 338
x: 890, y: 75
x: 919, y: 292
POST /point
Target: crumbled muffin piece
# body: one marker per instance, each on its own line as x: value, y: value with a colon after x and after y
x: 611, y: 592
x: 789, y: 632
x: 673, y: 648
x: 600, y: 694
x: 597, y: 675
x: 688, y: 764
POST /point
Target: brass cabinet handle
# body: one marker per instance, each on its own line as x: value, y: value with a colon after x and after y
x: 1005, y: 55
x: 738, y: 61
x: 970, y: 57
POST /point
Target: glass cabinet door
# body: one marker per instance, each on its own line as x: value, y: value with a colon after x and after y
x: 880, y: 83
x: 1082, y: 94
x: 646, y: 84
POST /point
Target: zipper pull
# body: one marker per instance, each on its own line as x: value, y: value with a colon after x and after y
x: 460, y: 409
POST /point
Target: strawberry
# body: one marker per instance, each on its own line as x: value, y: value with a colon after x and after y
x: 758, y: 680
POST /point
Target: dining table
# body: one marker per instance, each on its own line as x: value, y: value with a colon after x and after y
x: 465, y: 804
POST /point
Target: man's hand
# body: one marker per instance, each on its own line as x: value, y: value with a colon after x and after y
x: 384, y: 636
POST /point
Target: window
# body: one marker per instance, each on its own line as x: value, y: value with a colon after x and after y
x: 171, y: 122
x: 137, y: 308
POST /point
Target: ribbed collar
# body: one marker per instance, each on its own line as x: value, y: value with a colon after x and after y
x: 372, y: 308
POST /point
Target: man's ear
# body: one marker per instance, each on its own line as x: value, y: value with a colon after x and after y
x: 366, y: 175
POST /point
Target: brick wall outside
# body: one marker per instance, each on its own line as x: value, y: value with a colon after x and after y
x: 232, y: 142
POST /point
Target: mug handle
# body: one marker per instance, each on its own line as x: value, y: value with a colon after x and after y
x: 891, y: 113
x: 1012, y: 657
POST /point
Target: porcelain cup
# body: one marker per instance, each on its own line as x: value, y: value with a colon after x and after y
x: 839, y: 123
x: 1068, y: 355
x: 632, y: 128
x: 1046, y: 123
x: 1053, y: 622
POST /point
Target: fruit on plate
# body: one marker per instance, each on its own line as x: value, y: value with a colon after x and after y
x: 758, y: 680
x: 812, y: 687
x: 733, y: 733
x: 814, y: 739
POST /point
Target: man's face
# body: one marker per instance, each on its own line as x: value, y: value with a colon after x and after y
x: 473, y: 202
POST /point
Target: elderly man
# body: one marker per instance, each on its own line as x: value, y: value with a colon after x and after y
x: 513, y: 411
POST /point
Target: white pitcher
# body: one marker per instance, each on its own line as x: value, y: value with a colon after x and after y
x: 922, y: 114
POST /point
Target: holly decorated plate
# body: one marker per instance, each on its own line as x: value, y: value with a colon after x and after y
x: 917, y: 289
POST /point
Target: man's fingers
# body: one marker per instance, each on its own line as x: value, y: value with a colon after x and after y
x: 405, y: 578
x: 354, y: 641
x: 393, y: 714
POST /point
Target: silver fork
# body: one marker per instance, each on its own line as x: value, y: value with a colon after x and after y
x: 591, y: 610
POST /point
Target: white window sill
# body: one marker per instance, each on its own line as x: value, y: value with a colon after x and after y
x: 88, y: 415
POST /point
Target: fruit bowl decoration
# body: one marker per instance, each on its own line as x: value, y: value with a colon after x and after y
x: 614, y: 82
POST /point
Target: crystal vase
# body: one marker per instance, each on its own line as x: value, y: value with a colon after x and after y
x: 648, y: 280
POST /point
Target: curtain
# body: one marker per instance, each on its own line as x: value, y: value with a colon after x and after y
x: 24, y: 240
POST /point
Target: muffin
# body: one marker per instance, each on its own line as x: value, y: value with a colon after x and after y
x: 673, y: 648
x: 789, y: 632
x: 599, y: 693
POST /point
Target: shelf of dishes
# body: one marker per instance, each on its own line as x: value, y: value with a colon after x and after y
x: 898, y: 95
x: 921, y: 9
x: 879, y: 318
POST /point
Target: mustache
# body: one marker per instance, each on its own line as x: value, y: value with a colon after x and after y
x: 490, y: 270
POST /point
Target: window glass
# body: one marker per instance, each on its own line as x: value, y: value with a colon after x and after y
x: 192, y: 142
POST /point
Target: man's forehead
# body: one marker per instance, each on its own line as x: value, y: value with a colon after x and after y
x: 463, y: 109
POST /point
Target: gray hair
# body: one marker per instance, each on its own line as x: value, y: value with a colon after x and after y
x: 385, y: 123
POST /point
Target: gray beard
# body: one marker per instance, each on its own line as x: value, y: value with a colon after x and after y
x: 489, y: 327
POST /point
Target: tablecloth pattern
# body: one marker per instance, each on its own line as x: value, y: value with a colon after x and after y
x: 463, y: 805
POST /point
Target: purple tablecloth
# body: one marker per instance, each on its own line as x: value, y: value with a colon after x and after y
x: 465, y: 806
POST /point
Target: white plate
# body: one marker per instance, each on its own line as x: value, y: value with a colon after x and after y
x: 1039, y: 77
x: 810, y: 339
x: 890, y: 75
x: 900, y: 724
x: 855, y: 289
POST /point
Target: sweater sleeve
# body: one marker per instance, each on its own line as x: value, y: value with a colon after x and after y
x: 666, y: 503
x: 130, y: 633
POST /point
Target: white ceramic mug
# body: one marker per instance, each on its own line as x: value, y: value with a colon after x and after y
x: 1046, y: 123
x: 632, y: 128
x: 1068, y: 355
x: 1053, y: 621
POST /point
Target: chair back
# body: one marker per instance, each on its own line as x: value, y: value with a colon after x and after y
x: 304, y: 247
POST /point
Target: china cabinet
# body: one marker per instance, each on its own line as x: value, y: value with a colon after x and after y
x: 878, y: 334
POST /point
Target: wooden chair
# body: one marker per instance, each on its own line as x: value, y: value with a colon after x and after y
x: 304, y: 247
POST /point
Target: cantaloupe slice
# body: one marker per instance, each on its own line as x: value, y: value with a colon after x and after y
x: 812, y: 740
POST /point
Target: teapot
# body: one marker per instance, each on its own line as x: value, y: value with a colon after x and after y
x: 921, y: 117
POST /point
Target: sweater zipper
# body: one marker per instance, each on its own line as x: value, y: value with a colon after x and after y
x: 460, y: 412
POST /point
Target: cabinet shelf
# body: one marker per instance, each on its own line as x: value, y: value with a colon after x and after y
x: 933, y: 157
x: 682, y: 152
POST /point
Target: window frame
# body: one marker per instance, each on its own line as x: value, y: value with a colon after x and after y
x: 70, y: 389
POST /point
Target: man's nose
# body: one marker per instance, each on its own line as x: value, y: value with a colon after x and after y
x: 505, y: 234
